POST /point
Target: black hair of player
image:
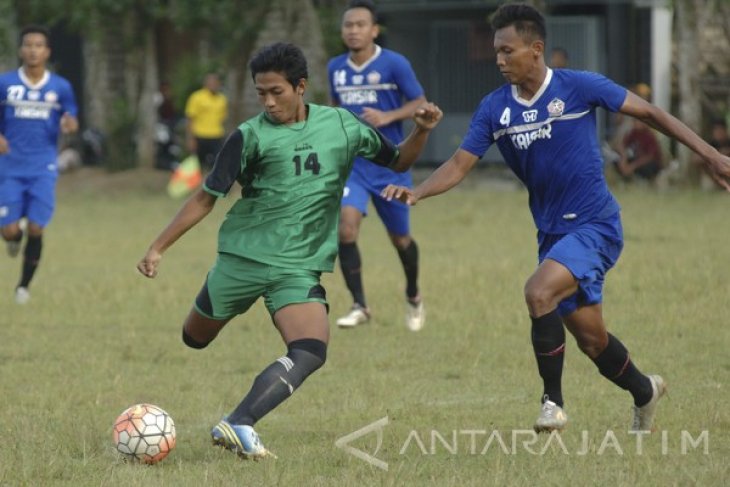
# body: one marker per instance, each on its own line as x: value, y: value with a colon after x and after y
x: 283, y: 58
x: 35, y: 29
x: 366, y: 4
x: 527, y: 20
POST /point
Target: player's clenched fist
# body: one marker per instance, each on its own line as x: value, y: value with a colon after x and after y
x: 148, y: 265
x: 427, y: 116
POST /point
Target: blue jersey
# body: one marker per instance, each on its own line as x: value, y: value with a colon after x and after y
x: 550, y: 143
x: 30, y: 120
x: 383, y: 82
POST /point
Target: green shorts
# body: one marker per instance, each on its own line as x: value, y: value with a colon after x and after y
x: 234, y: 283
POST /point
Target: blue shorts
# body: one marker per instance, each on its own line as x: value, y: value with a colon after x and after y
x: 588, y: 253
x: 33, y: 197
x: 368, y: 180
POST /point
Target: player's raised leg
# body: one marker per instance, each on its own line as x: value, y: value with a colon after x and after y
x: 408, y: 253
x: 614, y: 363
x: 31, y: 259
x: 304, y: 329
x: 396, y: 218
x: 11, y: 212
x: 349, y: 256
x: 13, y: 236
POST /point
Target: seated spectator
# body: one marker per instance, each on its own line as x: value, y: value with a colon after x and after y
x: 640, y: 152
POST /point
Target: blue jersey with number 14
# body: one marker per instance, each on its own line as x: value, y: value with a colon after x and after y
x: 30, y: 117
x: 382, y: 83
x: 550, y: 143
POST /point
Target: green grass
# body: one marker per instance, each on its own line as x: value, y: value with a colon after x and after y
x: 97, y: 338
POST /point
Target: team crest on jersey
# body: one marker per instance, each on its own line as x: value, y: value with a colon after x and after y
x: 51, y: 96
x: 34, y: 95
x: 373, y: 77
x: 555, y: 108
x: 357, y: 79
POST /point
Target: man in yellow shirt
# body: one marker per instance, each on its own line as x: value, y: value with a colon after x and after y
x: 206, y: 110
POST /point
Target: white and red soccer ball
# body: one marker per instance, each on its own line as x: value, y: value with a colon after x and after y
x: 145, y: 433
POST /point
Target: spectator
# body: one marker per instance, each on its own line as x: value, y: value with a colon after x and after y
x: 559, y: 58
x: 206, y: 110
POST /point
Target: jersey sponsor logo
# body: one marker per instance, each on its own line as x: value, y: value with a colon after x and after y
x: 339, y: 77
x: 556, y: 107
x: 523, y: 140
x: 302, y: 146
x: 34, y: 111
x: 357, y: 79
x: 373, y: 77
x: 359, y: 97
x: 529, y: 116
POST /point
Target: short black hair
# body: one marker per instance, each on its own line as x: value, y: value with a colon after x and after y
x: 35, y: 29
x: 526, y: 19
x: 367, y: 5
x: 283, y: 58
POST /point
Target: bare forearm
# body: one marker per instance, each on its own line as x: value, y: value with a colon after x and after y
x: 675, y: 128
x: 411, y: 148
x: 448, y: 175
x: 193, y: 211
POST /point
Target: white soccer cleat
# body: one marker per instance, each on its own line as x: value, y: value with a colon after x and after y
x: 643, y: 419
x: 22, y: 295
x: 357, y: 316
x: 552, y: 418
x: 415, y: 315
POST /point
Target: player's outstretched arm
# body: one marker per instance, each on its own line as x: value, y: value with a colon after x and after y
x: 448, y: 175
x: 426, y: 118
x: 195, y: 209
x: 717, y: 164
x: 378, y: 118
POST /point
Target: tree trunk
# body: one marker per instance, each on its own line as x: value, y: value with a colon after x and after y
x: 688, y: 74
x: 146, y: 110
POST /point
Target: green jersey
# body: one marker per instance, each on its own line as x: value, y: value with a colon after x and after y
x: 292, y: 177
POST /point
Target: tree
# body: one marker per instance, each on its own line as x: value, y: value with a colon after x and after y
x: 700, y: 51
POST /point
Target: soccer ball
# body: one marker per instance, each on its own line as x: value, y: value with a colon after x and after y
x: 145, y: 433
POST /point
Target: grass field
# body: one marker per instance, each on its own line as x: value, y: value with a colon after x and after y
x: 96, y: 338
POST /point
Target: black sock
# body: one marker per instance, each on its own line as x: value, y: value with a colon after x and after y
x: 615, y: 364
x: 31, y: 257
x: 409, y: 259
x: 279, y: 380
x: 548, y: 342
x: 352, y: 271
